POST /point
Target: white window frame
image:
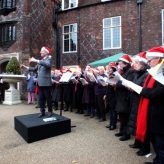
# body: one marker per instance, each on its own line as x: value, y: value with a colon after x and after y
x: 108, y: 48
x: 69, y: 5
x: 69, y: 38
x: 105, y: 0
x: 162, y: 26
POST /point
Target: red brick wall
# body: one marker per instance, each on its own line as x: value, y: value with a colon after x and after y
x: 34, y: 27
x: 90, y: 21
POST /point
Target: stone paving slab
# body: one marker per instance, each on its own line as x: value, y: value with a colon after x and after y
x: 88, y: 143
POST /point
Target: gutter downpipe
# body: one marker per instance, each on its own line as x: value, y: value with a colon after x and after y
x: 139, y: 3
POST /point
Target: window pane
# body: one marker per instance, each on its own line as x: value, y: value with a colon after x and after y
x: 9, y: 3
x: 73, y: 28
x: 107, y: 38
x: 73, y: 3
x: 66, y: 4
x: 66, y: 45
x: 107, y: 23
x: 14, y: 33
x: 116, y: 37
x: 3, y: 4
x: 116, y: 21
x: 66, y: 36
x: 10, y: 33
x: 66, y: 29
x: 73, y: 41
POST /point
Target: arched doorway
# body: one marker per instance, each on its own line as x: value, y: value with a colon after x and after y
x: 3, y: 63
x: 4, y: 85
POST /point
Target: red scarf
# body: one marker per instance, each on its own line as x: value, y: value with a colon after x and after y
x: 143, y: 111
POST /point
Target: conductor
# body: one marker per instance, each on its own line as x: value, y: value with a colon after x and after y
x: 43, y: 68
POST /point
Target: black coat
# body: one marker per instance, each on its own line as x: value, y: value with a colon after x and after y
x: 88, y: 94
x: 110, y: 98
x: 139, y: 78
x: 155, y: 119
x: 123, y: 94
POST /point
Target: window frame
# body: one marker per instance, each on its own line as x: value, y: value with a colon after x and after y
x: 5, y: 39
x: 65, y: 52
x: 69, y: 5
x: 162, y: 26
x: 109, y: 48
x: 105, y: 0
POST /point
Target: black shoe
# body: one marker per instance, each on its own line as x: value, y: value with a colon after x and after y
x: 149, y: 163
x: 102, y: 120
x: 142, y: 152
x: 124, y: 138
x: 112, y: 127
x: 87, y: 115
x: 41, y: 115
x: 92, y: 116
x: 118, y: 134
x: 108, y: 126
x: 49, y: 114
x: 65, y: 110
x: 135, y: 146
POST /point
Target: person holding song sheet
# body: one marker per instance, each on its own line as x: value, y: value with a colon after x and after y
x: 123, y: 97
x: 44, y: 79
x: 110, y: 98
x: 150, y: 120
x: 140, y: 67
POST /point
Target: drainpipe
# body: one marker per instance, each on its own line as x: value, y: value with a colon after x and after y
x: 57, y: 30
x: 139, y: 3
x: 78, y: 31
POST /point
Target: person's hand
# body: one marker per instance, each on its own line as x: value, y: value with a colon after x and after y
x: 104, y: 98
x: 24, y: 66
x: 32, y: 59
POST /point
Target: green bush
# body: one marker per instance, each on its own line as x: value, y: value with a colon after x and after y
x: 13, y: 66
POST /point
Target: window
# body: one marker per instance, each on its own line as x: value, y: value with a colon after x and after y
x: 68, y: 4
x: 7, y: 34
x: 112, y: 33
x: 163, y: 27
x: 7, y: 6
x: 70, y: 38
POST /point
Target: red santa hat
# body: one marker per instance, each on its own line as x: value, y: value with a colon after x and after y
x: 113, y: 65
x: 45, y: 50
x: 126, y: 58
x: 141, y: 57
x: 155, y: 52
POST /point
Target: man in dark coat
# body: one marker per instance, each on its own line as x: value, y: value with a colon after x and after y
x: 123, y: 97
x: 140, y: 73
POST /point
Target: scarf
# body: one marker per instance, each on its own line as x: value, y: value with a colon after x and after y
x: 143, y: 111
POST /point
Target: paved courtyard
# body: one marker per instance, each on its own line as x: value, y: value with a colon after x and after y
x: 88, y: 143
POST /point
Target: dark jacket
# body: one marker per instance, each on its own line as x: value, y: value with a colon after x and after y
x: 155, y: 117
x: 122, y: 93
x: 139, y: 78
x: 110, y: 97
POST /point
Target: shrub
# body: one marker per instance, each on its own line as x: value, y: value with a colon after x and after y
x: 13, y: 66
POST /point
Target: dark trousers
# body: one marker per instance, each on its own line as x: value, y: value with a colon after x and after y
x: 124, y: 118
x: 45, y: 96
x: 113, y: 117
x: 100, y: 107
x: 158, y: 145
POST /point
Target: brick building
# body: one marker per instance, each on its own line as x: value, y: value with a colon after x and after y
x: 95, y: 29
x: 25, y: 26
x: 84, y: 30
